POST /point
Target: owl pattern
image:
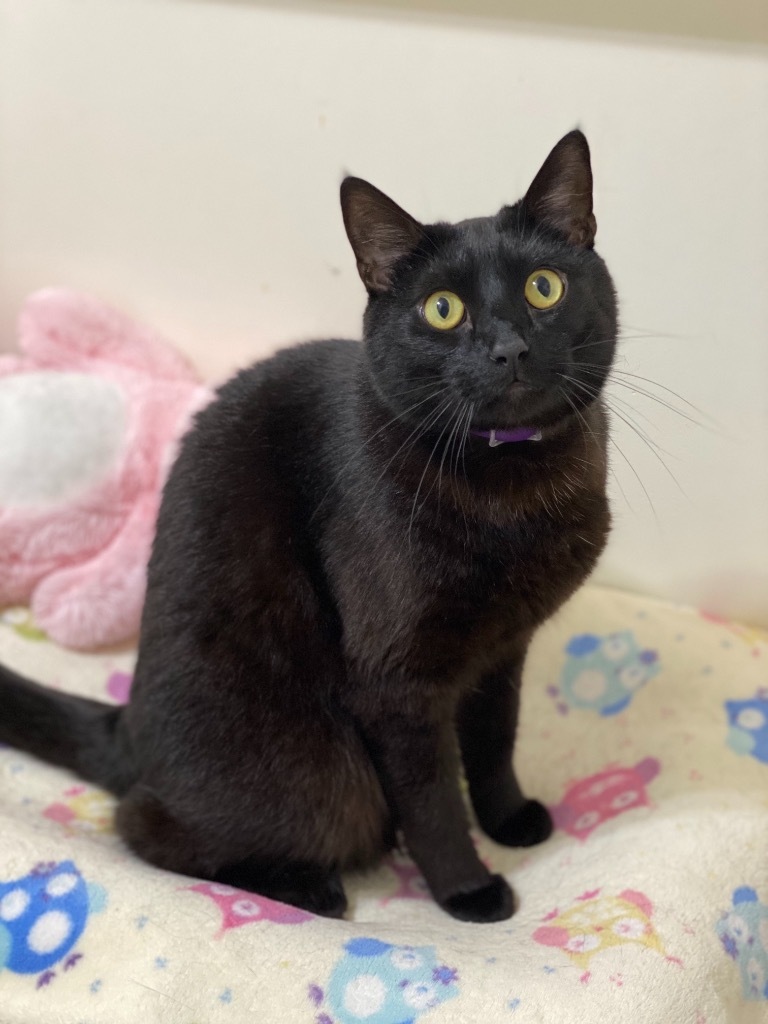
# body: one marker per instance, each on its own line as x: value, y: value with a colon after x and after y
x: 379, y: 983
x: 748, y: 726
x: 42, y: 917
x: 83, y: 809
x: 600, y: 797
x: 603, y: 674
x: 598, y: 922
x: 411, y: 884
x: 743, y: 931
x: 239, y: 907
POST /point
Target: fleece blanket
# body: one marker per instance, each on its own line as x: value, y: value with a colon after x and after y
x: 644, y: 728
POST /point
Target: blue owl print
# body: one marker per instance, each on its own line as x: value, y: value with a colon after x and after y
x: 603, y: 674
x: 743, y: 932
x: 42, y: 916
x: 748, y: 726
x: 378, y: 983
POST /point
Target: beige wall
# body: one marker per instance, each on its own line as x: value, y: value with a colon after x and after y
x: 678, y: 20
x: 181, y: 159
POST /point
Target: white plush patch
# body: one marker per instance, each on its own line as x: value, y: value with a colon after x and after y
x: 60, y: 433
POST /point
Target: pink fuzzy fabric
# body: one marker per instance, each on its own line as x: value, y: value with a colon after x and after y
x: 80, y: 563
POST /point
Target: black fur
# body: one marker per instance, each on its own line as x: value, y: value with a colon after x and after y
x: 344, y: 581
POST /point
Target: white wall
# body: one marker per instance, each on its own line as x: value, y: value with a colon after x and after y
x: 180, y: 158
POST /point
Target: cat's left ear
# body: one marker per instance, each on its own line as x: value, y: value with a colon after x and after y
x: 561, y: 193
x: 379, y: 231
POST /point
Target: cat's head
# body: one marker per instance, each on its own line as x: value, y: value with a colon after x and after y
x: 510, y: 318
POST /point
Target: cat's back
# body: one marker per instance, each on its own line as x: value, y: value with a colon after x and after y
x: 271, y: 412
x: 246, y: 468
x: 297, y: 381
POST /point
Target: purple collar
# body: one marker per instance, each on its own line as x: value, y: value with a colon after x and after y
x: 497, y: 437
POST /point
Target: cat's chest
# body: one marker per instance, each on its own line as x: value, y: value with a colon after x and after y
x: 515, y: 578
x: 445, y: 600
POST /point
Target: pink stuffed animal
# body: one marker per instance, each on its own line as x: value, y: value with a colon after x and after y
x: 90, y: 416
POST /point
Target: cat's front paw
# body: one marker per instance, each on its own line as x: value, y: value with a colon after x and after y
x: 529, y: 824
x: 493, y: 901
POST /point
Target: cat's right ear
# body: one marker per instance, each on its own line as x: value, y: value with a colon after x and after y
x: 379, y: 231
x: 561, y: 193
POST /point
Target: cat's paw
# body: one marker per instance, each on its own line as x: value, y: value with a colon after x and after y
x: 316, y: 891
x: 327, y: 900
x: 529, y: 824
x: 493, y: 901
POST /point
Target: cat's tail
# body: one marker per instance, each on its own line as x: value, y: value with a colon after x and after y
x: 72, y: 732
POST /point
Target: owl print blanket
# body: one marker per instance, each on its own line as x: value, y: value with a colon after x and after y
x: 645, y: 730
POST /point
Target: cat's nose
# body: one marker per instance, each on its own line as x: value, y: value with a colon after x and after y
x: 508, y: 350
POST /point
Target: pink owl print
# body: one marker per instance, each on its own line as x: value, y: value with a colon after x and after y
x: 612, y: 791
x: 239, y: 907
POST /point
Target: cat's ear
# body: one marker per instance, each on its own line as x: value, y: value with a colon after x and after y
x: 561, y: 193
x: 379, y: 231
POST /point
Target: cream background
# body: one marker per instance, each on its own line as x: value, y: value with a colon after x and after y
x: 181, y: 159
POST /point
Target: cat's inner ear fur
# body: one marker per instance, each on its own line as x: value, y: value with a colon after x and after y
x: 379, y: 231
x: 561, y: 193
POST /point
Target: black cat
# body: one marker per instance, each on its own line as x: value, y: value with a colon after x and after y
x: 355, y: 545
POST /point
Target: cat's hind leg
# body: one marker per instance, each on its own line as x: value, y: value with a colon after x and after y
x: 311, y: 887
x: 159, y: 837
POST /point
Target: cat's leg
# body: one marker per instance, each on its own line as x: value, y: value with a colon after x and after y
x: 414, y: 750
x: 311, y: 887
x: 162, y: 839
x: 487, y: 723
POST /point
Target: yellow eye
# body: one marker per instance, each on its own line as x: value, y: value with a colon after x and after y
x: 443, y: 311
x: 544, y: 289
